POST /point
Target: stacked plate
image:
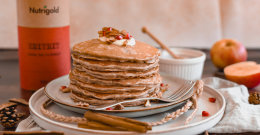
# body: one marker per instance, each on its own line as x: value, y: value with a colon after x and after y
x: 63, y: 104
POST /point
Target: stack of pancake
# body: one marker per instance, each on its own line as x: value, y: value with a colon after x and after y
x: 106, y: 73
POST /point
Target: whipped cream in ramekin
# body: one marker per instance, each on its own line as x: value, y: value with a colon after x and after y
x: 130, y: 42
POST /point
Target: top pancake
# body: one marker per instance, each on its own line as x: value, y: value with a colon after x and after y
x: 97, y: 50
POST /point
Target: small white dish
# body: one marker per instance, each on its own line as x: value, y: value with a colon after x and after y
x: 63, y: 99
x: 188, y: 68
x: 198, y: 125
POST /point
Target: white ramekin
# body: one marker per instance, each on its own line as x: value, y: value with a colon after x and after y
x: 190, y: 68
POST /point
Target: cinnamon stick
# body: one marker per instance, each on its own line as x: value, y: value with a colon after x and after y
x: 115, y: 121
x: 98, y: 126
x: 128, y: 120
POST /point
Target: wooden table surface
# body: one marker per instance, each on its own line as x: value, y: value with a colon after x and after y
x: 10, y: 85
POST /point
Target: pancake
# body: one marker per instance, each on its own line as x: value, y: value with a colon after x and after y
x: 86, y: 78
x: 117, y: 74
x: 114, y: 68
x: 112, y: 65
x: 93, y: 49
x: 97, y: 102
x: 111, y: 89
x: 97, y: 87
x: 125, y: 95
x: 93, y: 101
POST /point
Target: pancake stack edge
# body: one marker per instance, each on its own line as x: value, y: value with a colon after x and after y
x: 104, y: 74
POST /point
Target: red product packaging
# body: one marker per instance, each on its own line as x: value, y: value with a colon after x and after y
x: 44, y: 41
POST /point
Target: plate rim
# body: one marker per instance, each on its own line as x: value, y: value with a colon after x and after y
x: 112, y: 111
x: 42, y: 117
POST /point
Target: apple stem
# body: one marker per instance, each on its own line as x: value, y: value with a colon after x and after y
x: 229, y: 44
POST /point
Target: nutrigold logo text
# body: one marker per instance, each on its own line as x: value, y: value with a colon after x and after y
x: 44, y: 10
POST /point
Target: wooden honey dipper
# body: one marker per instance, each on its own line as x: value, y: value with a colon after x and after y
x: 163, y: 46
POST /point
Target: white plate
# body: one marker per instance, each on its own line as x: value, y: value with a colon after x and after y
x: 63, y: 99
x: 198, y: 125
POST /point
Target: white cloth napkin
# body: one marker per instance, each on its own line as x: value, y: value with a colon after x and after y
x: 28, y: 124
x: 240, y: 116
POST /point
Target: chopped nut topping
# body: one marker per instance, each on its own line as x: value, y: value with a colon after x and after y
x: 119, y: 107
x: 108, y: 32
x: 112, y: 34
x: 112, y: 39
x: 124, y: 32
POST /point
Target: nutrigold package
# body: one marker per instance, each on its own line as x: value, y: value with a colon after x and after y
x: 43, y: 34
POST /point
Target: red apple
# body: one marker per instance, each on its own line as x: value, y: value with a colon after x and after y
x: 226, y: 52
x: 247, y: 73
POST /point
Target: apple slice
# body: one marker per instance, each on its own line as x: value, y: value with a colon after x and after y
x: 247, y: 73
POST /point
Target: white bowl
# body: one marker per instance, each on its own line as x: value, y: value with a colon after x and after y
x: 189, y: 68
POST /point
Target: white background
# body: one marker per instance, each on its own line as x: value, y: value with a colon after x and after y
x: 181, y: 23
